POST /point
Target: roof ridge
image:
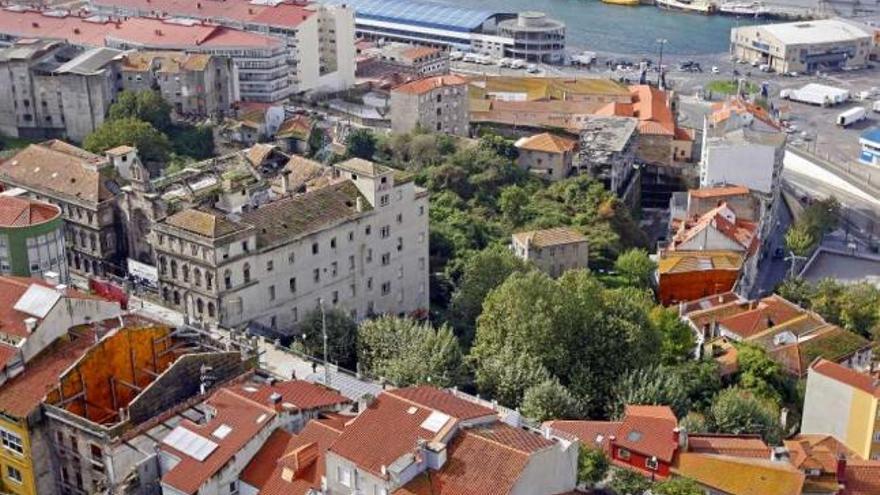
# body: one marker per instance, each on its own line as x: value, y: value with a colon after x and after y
x: 496, y: 442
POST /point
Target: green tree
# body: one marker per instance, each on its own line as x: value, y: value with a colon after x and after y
x: 626, y: 482
x: 821, y: 217
x: 701, y: 380
x: 316, y: 140
x: 593, y: 465
x: 361, y: 143
x: 148, y: 106
x: 341, y: 337
x: 501, y: 146
x: 424, y: 151
x: 694, y: 422
x: 407, y: 352
x: 483, y: 271
x: 653, y: 385
x: 513, y: 202
x: 738, y: 411
x: 678, y: 486
x: 799, y: 240
x: 826, y: 300
x: 858, y: 308
x: 193, y: 141
x: 677, y: 339
x: 549, y: 400
x: 635, y: 267
x: 796, y: 290
x: 152, y: 145
x: 758, y: 373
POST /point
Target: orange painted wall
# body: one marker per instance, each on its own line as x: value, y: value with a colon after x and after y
x: 687, y: 286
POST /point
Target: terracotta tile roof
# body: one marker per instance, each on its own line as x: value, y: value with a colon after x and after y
x: 363, y: 167
x: 11, y: 290
x: 862, y: 478
x: 284, y: 14
x: 651, y: 107
x: 23, y: 212
x: 852, y: 378
x: 754, y: 318
x: 817, y: 452
x: 695, y: 261
x: 740, y: 475
x: 207, y: 223
x: 683, y: 134
x: 831, y: 342
x: 428, y: 84
x: 244, y: 418
x: 292, y: 395
x: 22, y: 394
x: 709, y: 302
x: 475, y: 465
x: 55, y: 168
x: 594, y: 434
x: 416, y: 52
x: 394, y: 422
x: 718, y: 192
x: 297, y: 127
x: 518, y: 439
x: 120, y: 150
x: 550, y: 237
x: 547, y: 143
x: 648, y: 430
x: 7, y: 352
x: 303, y: 214
x: 730, y: 445
x: 274, y: 470
x: 139, y: 31
x: 722, y: 111
x: 724, y: 220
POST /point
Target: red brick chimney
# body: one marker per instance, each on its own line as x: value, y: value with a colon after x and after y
x: 841, y: 469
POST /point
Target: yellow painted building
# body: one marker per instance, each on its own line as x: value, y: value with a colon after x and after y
x: 25, y: 455
x: 843, y: 403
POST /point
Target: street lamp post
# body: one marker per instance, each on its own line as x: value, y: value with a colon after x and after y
x: 324, y: 332
x: 661, y: 42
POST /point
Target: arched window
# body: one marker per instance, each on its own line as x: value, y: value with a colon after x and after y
x: 227, y: 279
x: 173, y: 269
x: 165, y: 294
x: 93, y: 242
x: 185, y: 270
x: 163, y: 265
x: 197, y: 277
x: 246, y: 272
x: 211, y: 309
x: 176, y: 297
x: 209, y: 280
x: 82, y: 239
x: 200, y: 306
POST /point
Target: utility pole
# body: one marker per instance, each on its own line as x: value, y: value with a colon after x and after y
x: 324, y: 332
x: 661, y: 41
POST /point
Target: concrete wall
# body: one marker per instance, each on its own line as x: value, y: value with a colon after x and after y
x: 833, y: 408
x: 554, y: 260
x: 551, y: 471
x: 745, y: 164
x: 552, y: 166
x: 66, y: 314
x: 409, y: 111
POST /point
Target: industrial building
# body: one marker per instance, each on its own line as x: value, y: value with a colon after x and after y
x: 529, y: 35
x: 803, y: 47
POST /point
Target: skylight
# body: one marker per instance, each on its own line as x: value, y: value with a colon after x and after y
x: 222, y: 431
x: 190, y: 443
x: 435, y: 421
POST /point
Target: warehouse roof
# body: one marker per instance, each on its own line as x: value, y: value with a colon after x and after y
x: 815, y: 32
x: 425, y: 14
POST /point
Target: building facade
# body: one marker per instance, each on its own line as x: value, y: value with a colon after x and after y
x: 55, y: 89
x: 359, y: 244
x: 870, y: 141
x: 78, y: 183
x: 546, y: 155
x: 436, y: 104
x: 31, y: 238
x: 553, y: 251
x: 803, y: 47
x: 536, y: 37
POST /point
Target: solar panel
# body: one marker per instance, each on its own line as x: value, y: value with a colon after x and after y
x: 37, y: 300
x: 435, y: 421
x: 190, y: 443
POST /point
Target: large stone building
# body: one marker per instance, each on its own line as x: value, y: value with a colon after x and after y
x: 436, y: 104
x: 318, y: 39
x: 80, y: 184
x: 803, y: 46
x: 553, y: 251
x: 195, y: 84
x: 546, y: 155
x: 359, y: 244
x: 55, y: 90
x: 31, y: 238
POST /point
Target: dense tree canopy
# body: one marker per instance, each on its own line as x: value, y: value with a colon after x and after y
x: 361, y: 143
x: 635, y: 267
x: 549, y: 400
x: 593, y: 465
x: 152, y: 145
x: 341, y: 336
x: 739, y: 411
x: 148, y: 106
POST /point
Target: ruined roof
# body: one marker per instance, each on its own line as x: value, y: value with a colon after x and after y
x: 695, y: 261
x: 208, y: 223
x: 23, y: 212
x: 363, y: 167
x: 550, y: 237
x: 56, y: 168
x: 165, y: 62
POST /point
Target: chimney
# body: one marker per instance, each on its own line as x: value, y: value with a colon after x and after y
x: 76, y: 31
x: 841, y: 469
x: 52, y: 278
x: 275, y: 398
x: 30, y: 324
x: 199, y: 5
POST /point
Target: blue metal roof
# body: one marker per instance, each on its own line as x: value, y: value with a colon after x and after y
x: 872, y: 135
x: 425, y: 14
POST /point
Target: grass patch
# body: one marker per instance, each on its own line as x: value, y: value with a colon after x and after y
x: 728, y: 87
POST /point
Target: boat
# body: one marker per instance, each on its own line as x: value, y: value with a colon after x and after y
x: 752, y: 9
x: 696, y: 6
x: 623, y: 2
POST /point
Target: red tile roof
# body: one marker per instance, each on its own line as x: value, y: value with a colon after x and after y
x: 817, y: 452
x: 594, y: 434
x: 547, y: 143
x: 146, y: 32
x: 731, y: 445
x: 475, y: 465
x: 717, y: 192
x: 422, y: 86
x: 767, y: 313
x: 515, y: 438
x: 7, y: 352
x: 22, y: 212
x: 648, y: 430
x: 285, y: 14
x: 274, y: 470
x: 742, y: 232
x: 246, y: 419
x: 862, y: 478
x: 22, y: 394
x: 842, y: 374
x: 299, y: 394
x: 393, y: 421
x: 11, y: 290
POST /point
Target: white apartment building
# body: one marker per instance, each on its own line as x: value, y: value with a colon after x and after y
x: 359, y: 244
x: 319, y: 39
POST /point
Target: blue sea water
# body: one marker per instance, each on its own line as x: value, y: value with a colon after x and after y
x: 593, y: 25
